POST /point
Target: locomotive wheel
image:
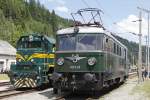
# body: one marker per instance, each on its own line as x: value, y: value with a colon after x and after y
x: 55, y: 91
x: 50, y: 83
x: 42, y: 87
x: 59, y: 92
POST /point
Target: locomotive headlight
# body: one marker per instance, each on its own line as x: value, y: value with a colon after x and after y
x: 91, y: 61
x: 60, y: 61
x: 38, y: 77
x: 19, y: 60
x: 32, y: 60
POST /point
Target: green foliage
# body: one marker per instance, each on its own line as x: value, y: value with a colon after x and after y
x: 19, y: 17
x: 143, y: 88
x: 4, y: 77
x: 54, y: 22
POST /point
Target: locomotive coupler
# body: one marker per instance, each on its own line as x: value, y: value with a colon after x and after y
x: 73, y: 83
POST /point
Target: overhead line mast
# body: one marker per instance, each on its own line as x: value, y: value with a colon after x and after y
x: 148, y: 12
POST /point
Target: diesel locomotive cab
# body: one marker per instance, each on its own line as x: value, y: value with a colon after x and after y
x: 34, y: 61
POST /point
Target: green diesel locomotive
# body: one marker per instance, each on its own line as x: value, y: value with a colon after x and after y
x: 34, y: 61
x: 88, y: 58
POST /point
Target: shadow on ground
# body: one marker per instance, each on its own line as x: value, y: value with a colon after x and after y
x: 81, y: 95
x: 48, y: 93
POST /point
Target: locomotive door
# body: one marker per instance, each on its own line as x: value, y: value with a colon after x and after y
x: 45, y: 59
x: 108, y: 43
x: 106, y: 56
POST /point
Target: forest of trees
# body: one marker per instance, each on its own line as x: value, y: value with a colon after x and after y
x: 21, y: 17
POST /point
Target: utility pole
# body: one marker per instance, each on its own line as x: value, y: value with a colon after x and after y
x: 148, y: 12
x: 132, y: 60
x: 146, y: 44
x: 140, y: 48
x: 148, y: 47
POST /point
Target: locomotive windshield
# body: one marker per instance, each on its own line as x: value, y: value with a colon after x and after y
x: 66, y: 43
x: 27, y: 44
x: 87, y: 42
x: 80, y: 42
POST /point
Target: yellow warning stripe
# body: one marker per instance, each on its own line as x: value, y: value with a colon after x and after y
x: 35, y: 55
x: 18, y: 56
x: 25, y: 82
x: 51, y: 65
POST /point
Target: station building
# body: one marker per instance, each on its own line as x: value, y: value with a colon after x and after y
x: 7, y: 56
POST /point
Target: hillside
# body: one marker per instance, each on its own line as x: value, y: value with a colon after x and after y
x: 19, y: 17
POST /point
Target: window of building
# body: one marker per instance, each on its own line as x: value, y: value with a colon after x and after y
x: 118, y: 49
x: 114, y: 48
x: 1, y: 66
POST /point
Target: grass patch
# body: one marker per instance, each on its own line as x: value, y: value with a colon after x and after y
x: 143, y: 87
x: 4, y: 77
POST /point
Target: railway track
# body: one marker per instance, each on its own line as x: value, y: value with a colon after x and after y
x: 13, y: 92
x: 62, y: 97
x: 4, y: 83
x: 132, y: 75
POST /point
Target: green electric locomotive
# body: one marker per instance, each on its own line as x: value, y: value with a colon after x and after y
x: 34, y: 61
x: 88, y: 58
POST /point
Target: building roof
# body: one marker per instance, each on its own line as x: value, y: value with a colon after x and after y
x: 6, y: 48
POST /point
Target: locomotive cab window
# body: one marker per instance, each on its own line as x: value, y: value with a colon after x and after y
x: 27, y: 44
x: 79, y: 42
x: 86, y: 42
x: 66, y: 42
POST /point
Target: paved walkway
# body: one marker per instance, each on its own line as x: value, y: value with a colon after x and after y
x: 4, y: 81
x: 125, y: 92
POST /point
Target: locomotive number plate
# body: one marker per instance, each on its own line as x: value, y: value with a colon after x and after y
x: 26, y: 68
x: 74, y: 67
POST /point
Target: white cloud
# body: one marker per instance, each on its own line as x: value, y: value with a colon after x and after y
x: 50, y: 0
x: 61, y: 2
x: 62, y: 9
x: 127, y: 25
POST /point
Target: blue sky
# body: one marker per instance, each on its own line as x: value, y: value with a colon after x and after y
x: 120, y: 12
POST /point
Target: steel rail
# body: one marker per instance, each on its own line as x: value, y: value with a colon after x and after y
x: 4, y: 83
x: 13, y: 92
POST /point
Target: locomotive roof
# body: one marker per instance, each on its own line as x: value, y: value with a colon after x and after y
x: 50, y: 39
x: 82, y: 29
x: 88, y: 29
